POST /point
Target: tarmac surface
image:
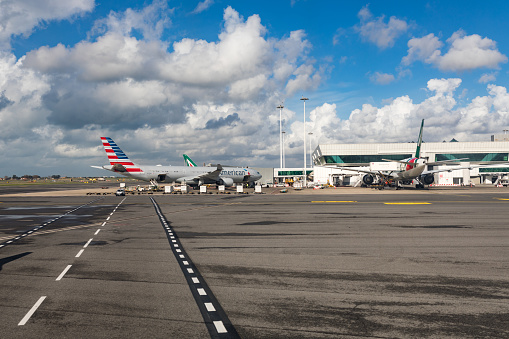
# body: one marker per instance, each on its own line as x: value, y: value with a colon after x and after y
x: 333, y: 263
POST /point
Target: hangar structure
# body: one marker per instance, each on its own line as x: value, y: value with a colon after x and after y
x: 364, y: 155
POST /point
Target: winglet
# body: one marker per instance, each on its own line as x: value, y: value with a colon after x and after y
x: 188, y: 161
x: 419, y: 142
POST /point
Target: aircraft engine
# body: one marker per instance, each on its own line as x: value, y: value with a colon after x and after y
x: 368, y: 179
x: 427, y: 179
x: 225, y: 181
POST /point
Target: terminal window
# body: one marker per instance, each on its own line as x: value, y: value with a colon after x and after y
x: 362, y: 159
x: 473, y: 156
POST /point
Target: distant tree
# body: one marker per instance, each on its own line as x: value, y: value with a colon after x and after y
x: 14, y: 176
x: 55, y: 176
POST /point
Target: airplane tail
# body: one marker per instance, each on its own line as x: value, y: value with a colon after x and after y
x: 419, y: 142
x: 188, y: 161
x: 118, y: 159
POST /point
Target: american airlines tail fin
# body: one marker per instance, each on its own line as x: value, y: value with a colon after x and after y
x: 419, y: 142
x: 118, y: 159
x: 188, y: 161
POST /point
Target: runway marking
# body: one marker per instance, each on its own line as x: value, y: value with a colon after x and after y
x: 96, y: 232
x: 32, y: 311
x: 216, y: 320
x: 37, y: 228
x: 407, y: 203
x: 88, y: 242
x: 332, y: 201
x: 502, y: 199
x: 104, y: 223
x: 108, y: 218
x: 63, y: 272
x: 79, y: 253
x: 220, y: 327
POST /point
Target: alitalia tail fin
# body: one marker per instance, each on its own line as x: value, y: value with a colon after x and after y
x: 118, y: 159
x: 188, y: 161
x: 419, y: 142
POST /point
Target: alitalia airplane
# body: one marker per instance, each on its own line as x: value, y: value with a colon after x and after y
x: 193, y: 176
x: 411, y: 169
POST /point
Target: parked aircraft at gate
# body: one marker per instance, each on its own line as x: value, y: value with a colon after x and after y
x: 413, y: 169
x: 120, y: 163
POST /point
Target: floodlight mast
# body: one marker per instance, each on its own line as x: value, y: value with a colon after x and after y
x: 280, y: 136
x: 304, y: 172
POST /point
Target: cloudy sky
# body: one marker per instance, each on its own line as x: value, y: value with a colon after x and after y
x: 163, y: 78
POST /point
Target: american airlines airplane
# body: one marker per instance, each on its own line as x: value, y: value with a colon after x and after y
x: 193, y: 176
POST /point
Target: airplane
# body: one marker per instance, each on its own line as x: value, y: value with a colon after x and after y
x: 411, y: 169
x: 192, y: 176
x: 230, y: 172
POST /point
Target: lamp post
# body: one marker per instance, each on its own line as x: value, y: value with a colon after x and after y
x: 280, y: 137
x: 310, y: 158
x: 284, y: 162
x: 304, y: 172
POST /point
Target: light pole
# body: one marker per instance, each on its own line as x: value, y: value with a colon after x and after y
x: 304, y: 172
x: 280, y: 137
x: 284, y: 162
x: 310, y: 158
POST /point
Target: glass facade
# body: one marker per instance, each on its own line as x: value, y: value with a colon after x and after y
x: 362, y: 159
x: 494, y: 170
x: 292, y: 173
x: 473, y: 156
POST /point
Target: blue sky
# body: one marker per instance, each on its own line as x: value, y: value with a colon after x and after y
x: 164, y: 78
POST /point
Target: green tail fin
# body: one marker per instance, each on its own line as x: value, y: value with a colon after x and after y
x: 419, y: 142
x: 188, y: 161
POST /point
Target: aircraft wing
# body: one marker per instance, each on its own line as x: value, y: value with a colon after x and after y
x: 212, y: 175
x: 465, y: 167
x: 204, y: 177
x: 378, y: 173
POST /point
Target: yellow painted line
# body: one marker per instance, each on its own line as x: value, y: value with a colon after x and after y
x: 407, y: 203
x: 318, y: 202
x: 502, y: 199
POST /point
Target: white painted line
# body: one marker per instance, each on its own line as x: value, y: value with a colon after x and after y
x: 190, y: 270
x: 108, y: 218
x: 97, y: 232
x: 29, y: 232
x: 63, y: 272
x: 79, y: 253
x: 182, y: 256
x: 11, y: 240
x: 210, y: 307
x: 172, y: 237
x: 88, y: 242
x: 32, y: 311
x: 111, y: 213
x: 104, y: 223
x: 174, y: 241
x: 220, y: 327
x: 179, y: 251
x: 175, y: 245
x: 195, y: 280
x: 201, y: 291
x: 2, y: 246
x: 185, y: 263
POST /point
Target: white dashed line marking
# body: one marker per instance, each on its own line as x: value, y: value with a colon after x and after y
x: 88, y: 242
x: 32, y: 311
x: 185, y: 263
x: 79, y: 253
x: 196, y: 281
x: 210, y: 307
x: 201, y: 291
x: 220, y: 327
x: 63, y: 272
x: 97, y: 232
x: 179, y: 251
x: 104, y: 223
x: 190, y: 270
x: 182, y: 256
x: 108, y: 218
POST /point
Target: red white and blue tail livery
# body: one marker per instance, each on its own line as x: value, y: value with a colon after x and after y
x: 118, y: 159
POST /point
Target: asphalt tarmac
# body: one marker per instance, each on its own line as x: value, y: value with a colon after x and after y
x: 355, y: 263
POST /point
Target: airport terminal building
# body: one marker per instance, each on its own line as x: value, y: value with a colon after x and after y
x: 364, y: 155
